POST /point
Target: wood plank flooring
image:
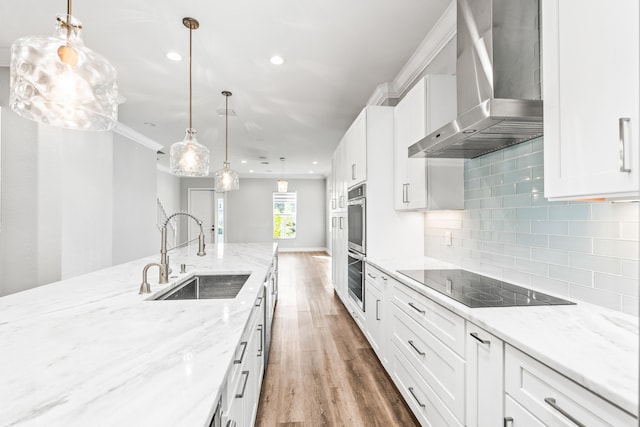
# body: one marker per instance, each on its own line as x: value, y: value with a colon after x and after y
x: 322, y: 370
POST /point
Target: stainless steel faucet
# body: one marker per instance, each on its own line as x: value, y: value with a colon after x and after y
x: 164, y: 259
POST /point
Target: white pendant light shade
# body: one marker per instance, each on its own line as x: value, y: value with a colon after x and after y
x: 226, y: 179
x: 283, y: 185
x: 59, y: 81
x: 188, y: 157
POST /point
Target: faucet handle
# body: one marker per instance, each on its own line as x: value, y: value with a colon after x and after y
x: 145, y: 288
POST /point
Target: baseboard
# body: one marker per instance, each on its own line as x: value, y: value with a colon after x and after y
x: 281, y: 249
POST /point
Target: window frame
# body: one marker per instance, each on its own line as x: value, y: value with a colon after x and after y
x: 287, y: 197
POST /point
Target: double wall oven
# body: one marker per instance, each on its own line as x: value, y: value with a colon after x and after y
x: 357, y: 227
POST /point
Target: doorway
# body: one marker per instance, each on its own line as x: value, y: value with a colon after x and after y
x: 208, y: 206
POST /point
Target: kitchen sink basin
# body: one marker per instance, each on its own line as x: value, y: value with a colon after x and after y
x: 212, y: 286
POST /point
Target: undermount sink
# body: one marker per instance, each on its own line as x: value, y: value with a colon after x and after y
x: 211, y: 286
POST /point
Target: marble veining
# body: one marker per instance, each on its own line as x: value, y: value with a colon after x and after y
x: 91, y: 351
x: 594, y: 346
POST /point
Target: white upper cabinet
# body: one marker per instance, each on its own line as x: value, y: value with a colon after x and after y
x: 591, y: 83
x: 356, y: 156
x: 421, y: 184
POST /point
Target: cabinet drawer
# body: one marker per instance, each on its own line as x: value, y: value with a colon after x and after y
x: 424, y: 403
x: 440, y: 367
x: 442, y: 323
x: 375, y: 278
x: 554, y: 398
x: 517, y: 416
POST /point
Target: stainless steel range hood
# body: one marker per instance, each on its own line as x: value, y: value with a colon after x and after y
x: 498, y: 81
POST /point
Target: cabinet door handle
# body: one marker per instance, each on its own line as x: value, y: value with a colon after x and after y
x: 623, y: 123
x: 377, y: 309
x: 421, y: 353
x: 244, y: 348
x: 552, y: 402
x: 353, y: 171
x: 333, y: 203
x: 341, y: 223
x: 371, y: 275
x: 244, y: 386
x: 333, y: 222
x: 422, y: 405
x: 475, y: 335
x: 404, y: 193
x: 260, y: 349
x: 508, y: 421
x: 259, y: 303
x: 416, y: 308
x: 342, y: 201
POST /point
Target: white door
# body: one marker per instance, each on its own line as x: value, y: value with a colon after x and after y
x: 203, y: 205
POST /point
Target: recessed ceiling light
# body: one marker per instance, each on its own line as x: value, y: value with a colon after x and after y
x: 310, y: 171
x: 243, y: 161
x: 314, y: 162
x: 277, y: 60
x: 174, y: 56
x: 150, y: 124
x: 251, y: 171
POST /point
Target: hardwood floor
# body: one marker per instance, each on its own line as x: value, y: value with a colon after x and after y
x: 322, y: 370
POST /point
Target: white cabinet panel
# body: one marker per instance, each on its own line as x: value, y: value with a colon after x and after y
x: 518, y: 416
x: 421, y: 184
x: 484, y: 378
x: 591, y: 100
x: 554, y: 399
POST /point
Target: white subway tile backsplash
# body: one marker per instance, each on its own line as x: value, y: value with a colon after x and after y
x: 619, y: 284
x: 570, y: 212
x: 550, y: 256
x: 587, y: 251
x: 626, y: 249
x: 550, y: 227
x: 630, y: 268
x: 569, y: 274
x: 596, y: 296
x: 603, y: 229
x: 569, y: 243
x: 595, y: 263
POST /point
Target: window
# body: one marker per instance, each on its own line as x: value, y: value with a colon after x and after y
x: 284, y: 215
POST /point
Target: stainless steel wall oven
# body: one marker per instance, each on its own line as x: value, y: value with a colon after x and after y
x: 357, y: 238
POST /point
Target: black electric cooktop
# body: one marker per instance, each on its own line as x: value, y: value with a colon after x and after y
x: 475, y: 290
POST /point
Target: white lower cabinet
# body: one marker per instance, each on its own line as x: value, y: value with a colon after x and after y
x: 552, y: 399
x: 245, y: 377
x: 484, y: 378
x: 377, y: 313
x: 518, y: 416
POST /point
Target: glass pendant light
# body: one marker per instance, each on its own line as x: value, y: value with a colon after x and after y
x: 59, y: 81
x: 283, y: 184
x: 226, y: 179
x: 188, y: 157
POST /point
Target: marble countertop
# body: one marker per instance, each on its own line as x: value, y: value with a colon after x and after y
x: 91, y: 351
x: 594, y: 346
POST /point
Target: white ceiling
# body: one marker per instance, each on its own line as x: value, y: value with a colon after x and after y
x: 336, y: 53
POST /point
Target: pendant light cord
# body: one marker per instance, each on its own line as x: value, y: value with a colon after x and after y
x: 68, y: 20
x: 190, y: 78
x: 226, y: 133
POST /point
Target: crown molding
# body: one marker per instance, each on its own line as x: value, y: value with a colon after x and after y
x: 136, y: 136
x: 442, y: 33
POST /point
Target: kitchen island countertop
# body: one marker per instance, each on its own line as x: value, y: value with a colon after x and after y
x: 594, y: 346
x: 90, y: 351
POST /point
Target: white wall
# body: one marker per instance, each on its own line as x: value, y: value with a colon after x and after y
x: 168, y: 191
x: 135, y: 183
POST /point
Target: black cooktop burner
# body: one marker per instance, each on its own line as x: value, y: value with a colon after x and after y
x: 475, y: 290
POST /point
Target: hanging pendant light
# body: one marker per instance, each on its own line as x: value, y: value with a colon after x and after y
x: 59, y: 81
x: 283, y: 184
x: 188, y: 157
x: 226, y: 179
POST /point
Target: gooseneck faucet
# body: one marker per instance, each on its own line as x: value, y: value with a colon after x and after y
x: 145, y: 288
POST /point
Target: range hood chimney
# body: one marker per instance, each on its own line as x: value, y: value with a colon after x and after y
x: 498, y: 81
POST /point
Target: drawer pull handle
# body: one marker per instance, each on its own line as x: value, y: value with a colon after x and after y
x: 621, y: 127
x: 261, y: 336
x: 475, y: 335
x: 371, y: 275
x: 422, y: 405
x: 244, y: 386
x: 244, y: 348
x: 416, y: 308
x: 421, y: 353
x: 508, y: 421
x: 377, y: 309
x: 259, y: 302
x: 552, y: 402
